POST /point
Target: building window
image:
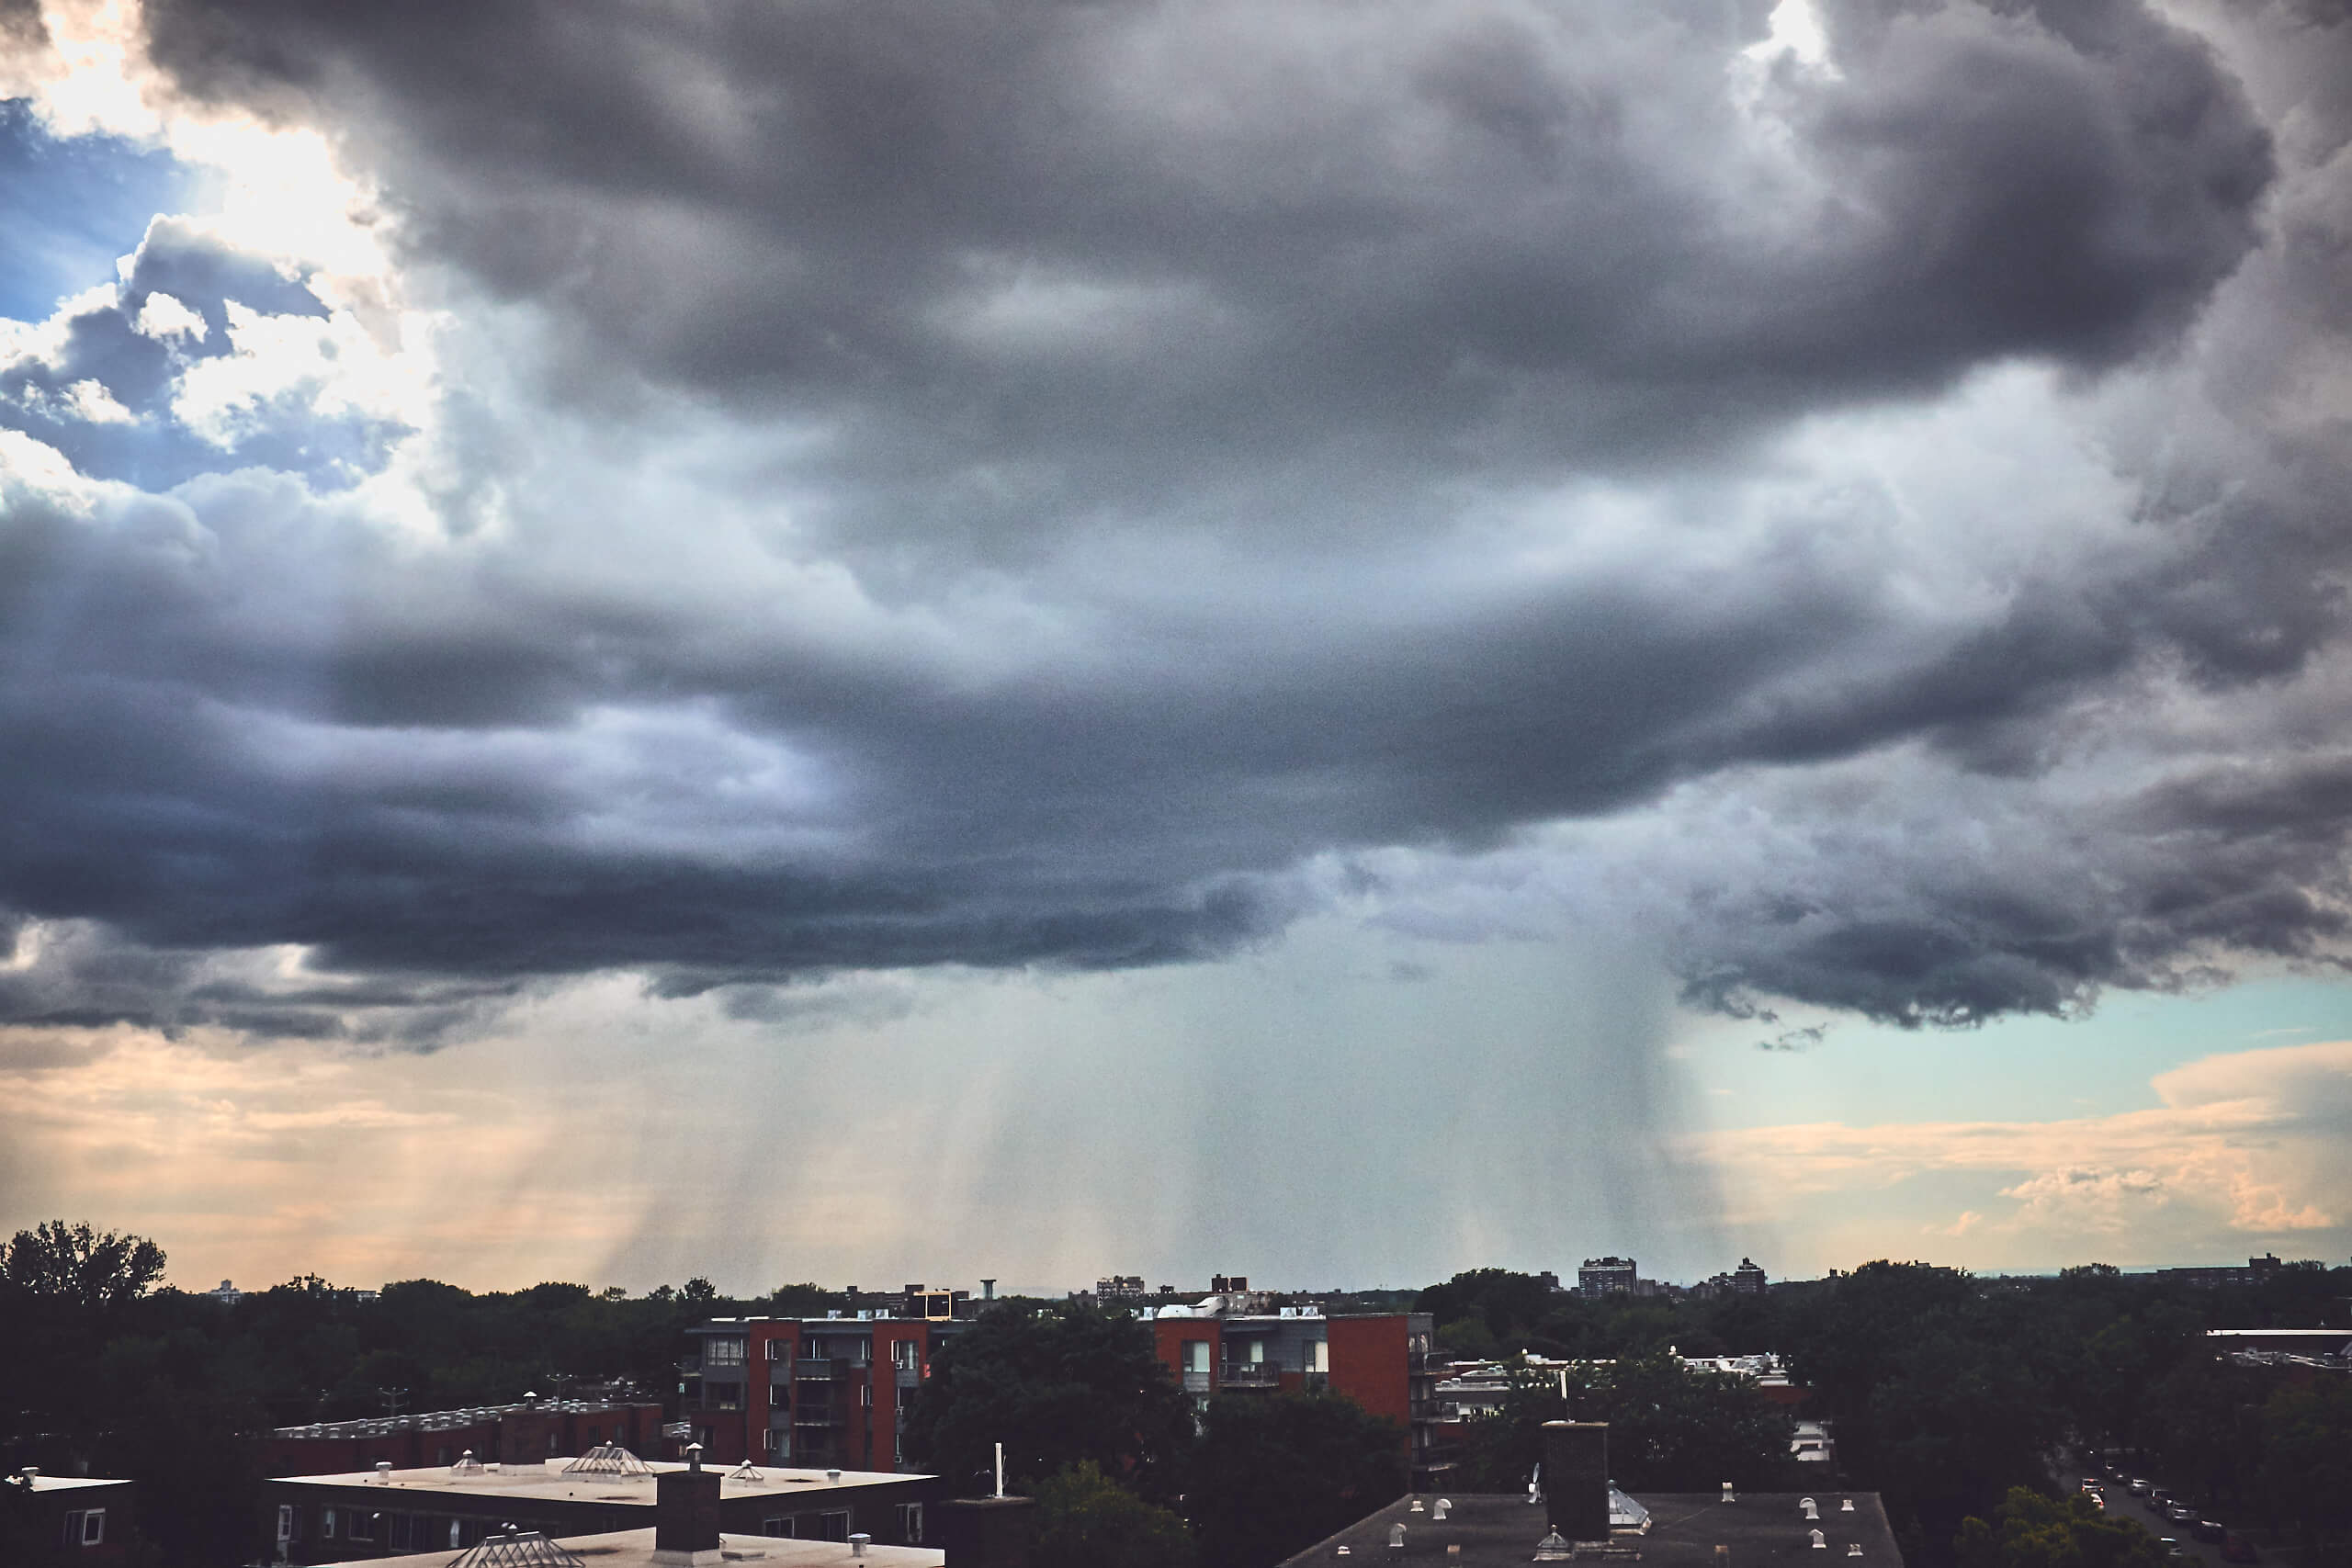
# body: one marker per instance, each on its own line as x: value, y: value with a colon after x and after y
x: 361, y: 1524
x: 1196, y: 1355
x: 1318, y: 1356
x: 441, y: 1454
x: 86, y: 1528
x: 285, y: 1523
x: 833, y: 1525
x: 453, y: 1533
x: 722, y: 1396
x: 723, y: 1352
x: 780, y: 1528
x: 910, y: 1523
x: 327, y: 1527
x: 550, y: 1442
x: 906, y: 1355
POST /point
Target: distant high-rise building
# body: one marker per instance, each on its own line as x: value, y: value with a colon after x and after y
x: 1747, y: 1280
x: 1119, y: 1290
x: 1607, y: 1277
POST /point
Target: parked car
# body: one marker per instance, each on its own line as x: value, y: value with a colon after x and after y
x: 2181, y: 1516
x: 2139, y: 1487
x: 2208, y: 1529
x: 2235, y: 1547
x: 2172, y: 1547
x: 2160, y: 1498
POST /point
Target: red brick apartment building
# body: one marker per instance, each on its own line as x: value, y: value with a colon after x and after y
x: 1385, y: 1362
x: 814, y: 1392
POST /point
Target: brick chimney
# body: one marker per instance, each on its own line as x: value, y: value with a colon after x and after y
x: 686, y: 1515
x: 1575, y: 1479
x: 987, y: 1532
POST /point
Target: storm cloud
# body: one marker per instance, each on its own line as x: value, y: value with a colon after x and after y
x: 1055, y: 484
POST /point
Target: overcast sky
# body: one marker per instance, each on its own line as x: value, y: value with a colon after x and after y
x: 876, y: 639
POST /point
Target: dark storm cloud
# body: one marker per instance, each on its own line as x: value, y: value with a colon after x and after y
x: 1159, y: 382
x: 1313, y: 242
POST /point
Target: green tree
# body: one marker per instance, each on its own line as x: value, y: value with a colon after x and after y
x: 2036, y: 1531
x: 1276, y: 1473
x: 1058, y: 1385
x: 1085, y: 1519
x: 2307, y: 1460
x: 1670, y: 1429
x: 79, y: 1266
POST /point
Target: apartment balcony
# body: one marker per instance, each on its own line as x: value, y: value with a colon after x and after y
x: 827, y: 1417
x: 1198, y: 1383
x: 1250, y: 1374
x: 813, y: 1367
x: 690, y: 1364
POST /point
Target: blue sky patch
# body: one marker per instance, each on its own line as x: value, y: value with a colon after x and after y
x: 70, y: 205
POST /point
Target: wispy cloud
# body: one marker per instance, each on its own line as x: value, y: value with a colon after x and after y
x: 2247, y: 1147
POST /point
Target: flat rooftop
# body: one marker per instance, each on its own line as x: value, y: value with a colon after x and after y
x: 69, y: 1482
x: 1685, y: 1530
x: 634, y: 1549
x: 445, y: 1420
x: 548, y: 1481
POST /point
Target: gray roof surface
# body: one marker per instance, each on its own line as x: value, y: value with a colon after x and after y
x: 1685, y: 1530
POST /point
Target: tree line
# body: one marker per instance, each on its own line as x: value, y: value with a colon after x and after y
x: 1947, y: 1394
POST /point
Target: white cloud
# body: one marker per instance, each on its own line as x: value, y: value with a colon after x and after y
x: 293, y: 369
x: 163, y: 317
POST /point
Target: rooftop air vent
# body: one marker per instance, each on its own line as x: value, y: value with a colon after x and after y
x: 749, y: 1471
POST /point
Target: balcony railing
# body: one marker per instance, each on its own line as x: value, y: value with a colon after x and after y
x: 1250, y: 1374
x: 1197, y: 1383
x: 813, y: 1367
x: 690, y: 1363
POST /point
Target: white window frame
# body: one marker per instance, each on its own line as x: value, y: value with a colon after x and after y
x: 285, y: 1522
x: 326, y: 1526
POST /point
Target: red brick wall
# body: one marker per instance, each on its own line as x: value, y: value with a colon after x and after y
x: 1368, y: 1364
x: 1169, y: 1335
x: 515, y: 1437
